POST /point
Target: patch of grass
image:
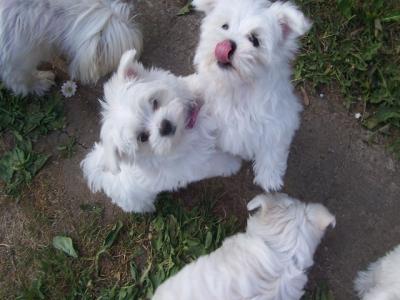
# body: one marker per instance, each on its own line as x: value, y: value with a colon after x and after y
x: 22, y: 121
x: 321, y: 292
x: 68, y: 149
x: 356, y: 45
x: 129, y: 260
x: 186, y: 9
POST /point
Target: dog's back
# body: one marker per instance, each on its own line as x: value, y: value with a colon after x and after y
x: 382, y: 279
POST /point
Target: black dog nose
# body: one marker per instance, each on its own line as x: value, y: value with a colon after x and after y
x: 167, y: 128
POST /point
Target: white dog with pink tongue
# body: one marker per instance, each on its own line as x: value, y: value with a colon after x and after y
x: 154, y: 137
x: 243, y: 72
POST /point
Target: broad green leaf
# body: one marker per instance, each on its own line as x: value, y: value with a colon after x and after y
x: 39, y: 163
x: 64, y: 244
x: 112, y: 236
x: 395, y: 17
x: 186, y: 9
x: 208, y: 240
x: 134, y: 272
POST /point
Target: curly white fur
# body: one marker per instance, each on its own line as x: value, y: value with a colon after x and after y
x: 134, y: 161
x: 381, y: 281
x: 267, y: 262
x: 92, y: 34
x: 252, y: 97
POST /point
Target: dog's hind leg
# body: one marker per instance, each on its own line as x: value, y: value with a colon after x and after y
x: 223, y: 164
x: 20, y: 73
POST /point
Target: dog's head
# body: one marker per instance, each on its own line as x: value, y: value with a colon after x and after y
x: 289, y: 226
x: 240, y: 39
x: 145, y: 113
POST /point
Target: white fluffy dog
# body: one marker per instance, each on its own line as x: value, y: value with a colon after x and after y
x: 91, y: 34
x: 382, y: 279
x: 155, y: 137
x: 269, y: 261
x: 243, y: 72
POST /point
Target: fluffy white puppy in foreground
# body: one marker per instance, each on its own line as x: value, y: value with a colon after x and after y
x: 267, y: 262
x: 91, y: 34
x: 382, y: 279
x: 243, y: 72
x: 154, y: 137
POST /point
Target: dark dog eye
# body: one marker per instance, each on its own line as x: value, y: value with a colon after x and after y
x: 225, y: 26
x: 143, y: 137
x: 254, y: 40
x: 155, y: 104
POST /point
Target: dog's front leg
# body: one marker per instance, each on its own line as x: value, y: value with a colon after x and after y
x: 270, y: 166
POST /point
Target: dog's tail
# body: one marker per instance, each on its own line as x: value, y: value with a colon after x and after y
x: 101, y: 32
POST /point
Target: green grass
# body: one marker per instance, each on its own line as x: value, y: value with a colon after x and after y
x: 320, y: 292
x: 23, y: 121
x: 130, y: 259
x: 355, y: 46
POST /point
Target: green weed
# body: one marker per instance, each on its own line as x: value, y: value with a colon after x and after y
x: 186, y: 9
x: 68, y: 149
x: 132, y: 259
x: 321, y: 292
x: 355, y: 45
x: 23, y: 120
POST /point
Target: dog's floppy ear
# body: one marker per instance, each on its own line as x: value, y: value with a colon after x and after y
x: 262, y: 201
x: 205, y: 6
x: 292, y: 21
x: 129, y: 68
x: 320, y: 216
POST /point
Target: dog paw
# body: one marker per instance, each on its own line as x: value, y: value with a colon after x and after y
x: 43, y: 82
x: 141, y: 207
x: 270, y: 182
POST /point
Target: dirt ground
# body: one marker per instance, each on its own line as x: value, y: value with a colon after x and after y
x: 330, y: 162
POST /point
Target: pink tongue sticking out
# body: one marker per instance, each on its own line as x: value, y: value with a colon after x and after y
x: 223, y: 51
x: 194, y: 113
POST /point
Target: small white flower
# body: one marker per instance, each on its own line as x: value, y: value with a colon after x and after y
x: 321, y: 95
x: 357, y: 116
x: 68, y: 89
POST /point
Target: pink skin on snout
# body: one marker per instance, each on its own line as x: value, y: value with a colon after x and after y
x: 224, y: 51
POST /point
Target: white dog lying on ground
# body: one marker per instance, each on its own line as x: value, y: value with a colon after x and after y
x: 267, y: 262
x: 92, y: 34
x: 243, y: 72
x: 382, y: 279
x: 155, y: 137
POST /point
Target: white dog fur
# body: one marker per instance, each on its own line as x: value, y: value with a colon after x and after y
x: 91, y: 34
x: 153, y: 137
x: 267, y: 262
x: 249, y: 90
x: 381, y: 281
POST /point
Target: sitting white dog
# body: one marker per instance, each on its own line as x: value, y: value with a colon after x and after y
x: 155, y: 137
x: 382, y: 279
x: 243, y: 72
x: 269, y: 261
x: 91, y: 34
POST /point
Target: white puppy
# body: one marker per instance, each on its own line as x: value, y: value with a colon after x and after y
x: 155, y: 137
x: 91, y: 34
x: 382, y: 279
x: 267, y: 262
x: 243, y: 72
